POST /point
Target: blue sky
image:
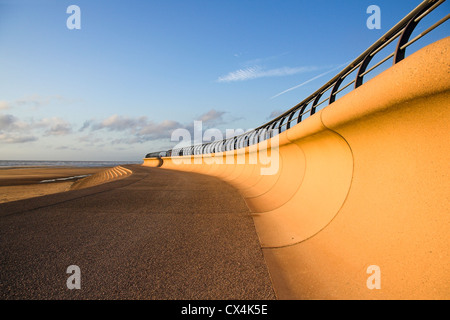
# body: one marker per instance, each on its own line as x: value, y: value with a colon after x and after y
x: 137, y: 70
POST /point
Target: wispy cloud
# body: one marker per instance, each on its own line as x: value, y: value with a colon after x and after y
x: 134, y: 130
x: 160, y: 130
x: 310, y: 80
x: 256, y: 72
x: 55, y: 126
x: 11, y: 123
x: 113, y: 130
x: 14, y: 130
x: 119, y: 123
x: 137, y: 129
x: 4, y: 105
x: 275, y: 114
x: 36, y: 100
x: 212, y: 117
x: 33, y: 101
x: 15, y: 138
x: 85, y: 125
x: 6, y: 120
x: 264, y: 60
x: 65, y: 148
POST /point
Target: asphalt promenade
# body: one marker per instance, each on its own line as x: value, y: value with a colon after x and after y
x: 157, y: 234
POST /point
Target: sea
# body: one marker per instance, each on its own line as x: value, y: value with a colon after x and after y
x: 40, y: 163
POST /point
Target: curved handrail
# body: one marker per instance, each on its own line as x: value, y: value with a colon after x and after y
x: 402, y: 30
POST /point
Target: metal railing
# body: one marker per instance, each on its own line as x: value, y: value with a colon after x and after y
x: 158, y: 154
x: 401, y: 31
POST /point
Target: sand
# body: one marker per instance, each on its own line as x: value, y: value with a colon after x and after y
x: 26, y: 182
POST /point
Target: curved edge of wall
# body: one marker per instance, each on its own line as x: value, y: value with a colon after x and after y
x: 153, y: 162
x: 362, y: 183
x: 104, y: 176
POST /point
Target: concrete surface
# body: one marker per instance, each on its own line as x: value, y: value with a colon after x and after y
x: 156, y: 234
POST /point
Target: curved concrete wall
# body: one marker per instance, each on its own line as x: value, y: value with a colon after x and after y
x: 362, y: 182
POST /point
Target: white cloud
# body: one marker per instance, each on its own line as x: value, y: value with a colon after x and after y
x: 275, y: 114
x: 212, y: 116
x: 14, y: 130
x: 255, y: 72
x: 6, y: 121
x: 12, y: 123
x: 15, y: 138
x: 158, y: 130
x: 118, y: 123
x: 138, y: 129
x: 141, y: 129
x: 36, y: 100
x: 309, y: 80
x: 55, y: 126
x: 4, y: 105
x: 86, y: 125
x: 115, y: 129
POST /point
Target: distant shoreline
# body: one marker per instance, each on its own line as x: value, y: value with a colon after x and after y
x: 10, y: 164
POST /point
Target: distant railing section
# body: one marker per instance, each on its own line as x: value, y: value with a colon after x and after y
x: 328, y: 92
x: 159, y: 154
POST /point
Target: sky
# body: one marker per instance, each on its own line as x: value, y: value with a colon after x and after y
x: 135, y: 71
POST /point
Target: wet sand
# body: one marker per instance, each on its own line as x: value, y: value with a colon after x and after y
x: 26, y: 182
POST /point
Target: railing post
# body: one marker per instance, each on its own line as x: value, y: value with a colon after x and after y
x: 361, y: 69
x: 404, y: 37
x: 335, y: 88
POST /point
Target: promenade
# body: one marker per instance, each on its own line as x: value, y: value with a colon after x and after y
x: 157, y: 234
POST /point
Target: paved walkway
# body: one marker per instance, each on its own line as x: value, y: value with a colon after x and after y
x: 157, y: 234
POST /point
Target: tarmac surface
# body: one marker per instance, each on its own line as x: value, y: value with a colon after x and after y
x: 157, y: 234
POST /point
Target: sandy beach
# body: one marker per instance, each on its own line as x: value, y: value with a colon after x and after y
x: 27, y: 182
